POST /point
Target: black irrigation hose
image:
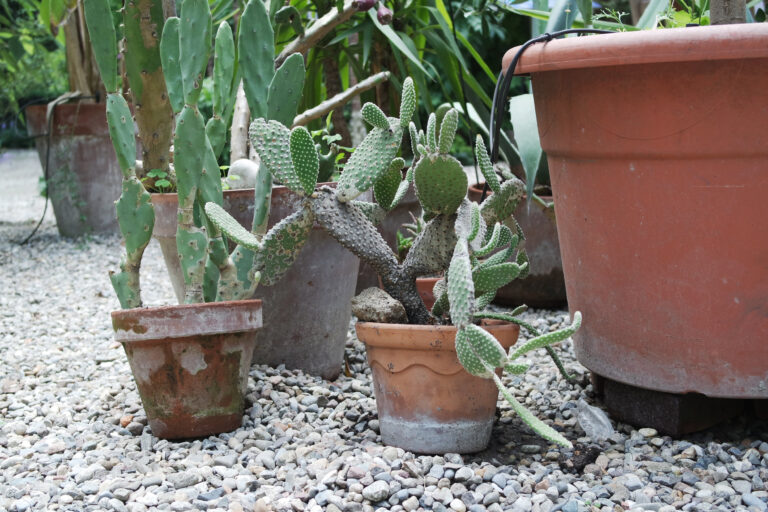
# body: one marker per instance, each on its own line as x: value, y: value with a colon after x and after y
x: 49, y: 123
x: 504, y: 81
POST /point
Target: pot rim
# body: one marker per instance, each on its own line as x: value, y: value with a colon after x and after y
x: 184, y: 320
x: 669, y: 45
x: 424, y: 342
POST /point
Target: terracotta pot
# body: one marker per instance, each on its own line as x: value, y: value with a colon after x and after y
x: 424, y: 285
x: 190, y: 363
x: 657, y: 155
x: 84, y: 180
x: 306, y: 314
x: 545, y: 285
x: 427, y: 402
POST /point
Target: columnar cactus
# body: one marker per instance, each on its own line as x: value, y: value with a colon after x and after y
x: 465, y: 240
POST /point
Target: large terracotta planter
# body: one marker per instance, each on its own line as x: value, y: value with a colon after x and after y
x: 83, y: 176
x: 306, y: 314
x: 545, y: 285
x: 659, y: 166
x: 427, y: 402
x: 190, y: 363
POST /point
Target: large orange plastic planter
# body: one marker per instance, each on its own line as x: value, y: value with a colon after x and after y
x: 658, y: 153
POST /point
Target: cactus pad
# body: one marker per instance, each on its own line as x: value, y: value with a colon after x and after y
x: 101, y: 29
x: 488, y: 279
x: 461, y: 289
x: 374, y: 116
x: 448, y: 131
x: 432, y: 132
x: 271, y: 140
x: 216, y: 130
x: 194, y: 46
x: 369, y: 161
x: 386, y: 187
x: 256, y: 55
x: 549, y: 338
x: 169, y: 56
x: 487, y: 348
x: 499, y: 206
x: 223, y: 69
x: 282, y: 244
x: 306, y: 162
x: 467, y: 356
x: 285, y: 90
x: 120, y: 124
x: 484, y: 162
x: 441, y: 184
x: 230, y: 227
x: 407, y: 102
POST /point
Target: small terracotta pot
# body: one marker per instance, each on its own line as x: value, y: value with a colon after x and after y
x: 545, y: 285
x: 190, y: 363
x: 427, y: 402
x: 424, y: 285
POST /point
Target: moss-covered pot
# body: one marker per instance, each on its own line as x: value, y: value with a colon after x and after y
x: 190, y: 363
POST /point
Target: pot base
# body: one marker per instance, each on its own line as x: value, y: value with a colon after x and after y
x: 426, y: 436
x: 670, y: 413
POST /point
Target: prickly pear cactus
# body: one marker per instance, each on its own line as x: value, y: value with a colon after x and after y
x: 466, y: 241
x: 373, y: 157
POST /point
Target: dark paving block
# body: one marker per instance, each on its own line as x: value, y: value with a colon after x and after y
x: 669, y: 413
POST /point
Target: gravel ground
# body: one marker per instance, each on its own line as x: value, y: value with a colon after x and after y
x: 73, y: 434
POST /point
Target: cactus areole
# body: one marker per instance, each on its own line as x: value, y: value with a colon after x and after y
x: 464, y: 240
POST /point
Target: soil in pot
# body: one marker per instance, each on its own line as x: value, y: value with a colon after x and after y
x: 190, y: 363
x: 545, y: 285
x: 427, y: 402
x: 306, y: 314
x: 84, y: 180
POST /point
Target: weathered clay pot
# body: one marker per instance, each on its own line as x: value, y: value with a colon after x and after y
x: 661, y: 209
x: 306, y: 314
x: 190, y: 363
x: 84, y: 179
x: 545, y: 285
x: 427, y: 402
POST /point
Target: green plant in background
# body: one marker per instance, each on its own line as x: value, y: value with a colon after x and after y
x: 31, y: 67
x: 465, y: 240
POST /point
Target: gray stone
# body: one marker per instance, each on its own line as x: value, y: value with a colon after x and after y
x: 375, y: 305
x: 377, y: 491
x: 463, y: 474
x: 751, y: 500
x: 185, y: 479
x: 632, y: 482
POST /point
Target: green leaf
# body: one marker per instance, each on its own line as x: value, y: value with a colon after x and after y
x: 649, y: 17
x: 398, y: 43
x: 523, y: 115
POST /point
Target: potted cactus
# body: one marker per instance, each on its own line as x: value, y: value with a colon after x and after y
x: 309, y: 334
x: 190, y: 362
x: 428, y: 349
